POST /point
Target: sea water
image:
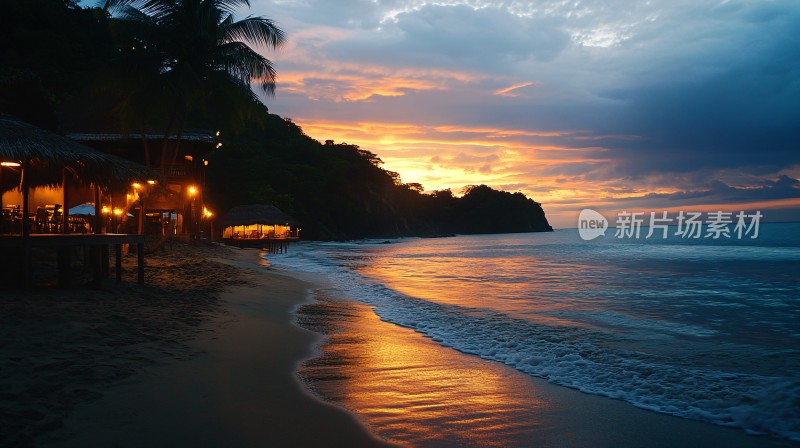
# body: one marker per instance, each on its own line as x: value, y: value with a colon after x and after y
x: 697, y: 328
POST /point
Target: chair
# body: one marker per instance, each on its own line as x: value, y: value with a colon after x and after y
x: 41, y: 222
x: 5, y: 221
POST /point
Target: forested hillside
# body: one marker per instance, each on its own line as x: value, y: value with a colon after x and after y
x: 339, y: 191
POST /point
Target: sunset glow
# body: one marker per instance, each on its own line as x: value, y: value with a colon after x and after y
x: 561, y: 102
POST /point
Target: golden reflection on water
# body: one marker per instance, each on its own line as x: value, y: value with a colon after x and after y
x: 489, y: 283
x: 412, y: 391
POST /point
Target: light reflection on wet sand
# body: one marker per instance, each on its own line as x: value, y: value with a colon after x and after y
x: 419, y: 392
x: 413, y: 392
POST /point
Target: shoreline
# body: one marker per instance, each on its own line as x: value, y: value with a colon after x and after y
x: 256, y: 371
x: 439, y: 396
x: 240, y: 390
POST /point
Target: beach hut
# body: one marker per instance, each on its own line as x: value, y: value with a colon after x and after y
x: 182, y: 160
x: 259, y: 225
x: 32, y: 157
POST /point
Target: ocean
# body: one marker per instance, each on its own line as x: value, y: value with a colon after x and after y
x: 696, y: 328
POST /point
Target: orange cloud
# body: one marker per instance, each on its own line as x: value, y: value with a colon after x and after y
x: 441, y: 156
x: 508, y: 90
x: 493, y: 132
x: 358, y: 81
x: 563, y: 178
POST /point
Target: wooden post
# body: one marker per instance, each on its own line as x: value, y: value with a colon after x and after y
x: 118, y: 260
x: 64, y: 261
x: 140, y: 262
x: 97, y: 274
x: 141, y: 214
x: 26, y: 240
x: 96, y: 253
x: 65, y: 207
x: 64, y: 268
x: 98, y: 211
x: 105, y: 260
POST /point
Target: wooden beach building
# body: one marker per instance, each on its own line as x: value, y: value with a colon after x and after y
x: 175, y: 206
x: 259, y: 226
x: 42, y: 176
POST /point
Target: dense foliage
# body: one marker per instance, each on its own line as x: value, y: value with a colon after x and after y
x: 339, y: 191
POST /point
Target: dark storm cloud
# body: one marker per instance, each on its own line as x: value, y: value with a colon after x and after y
x: 784, y: 188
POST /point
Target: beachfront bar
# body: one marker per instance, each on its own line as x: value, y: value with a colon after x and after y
x: 259, y: 226
x: 37, y: 165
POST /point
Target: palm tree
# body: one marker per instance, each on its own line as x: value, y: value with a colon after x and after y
x: 190, y: 56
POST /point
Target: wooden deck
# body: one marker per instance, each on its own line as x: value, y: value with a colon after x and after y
x: 273, y: 245
x: 99, y: 245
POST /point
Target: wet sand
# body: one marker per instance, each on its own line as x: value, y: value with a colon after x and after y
x: 412, y: 391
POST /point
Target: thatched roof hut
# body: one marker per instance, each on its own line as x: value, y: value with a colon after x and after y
x: 253, y: 214
x: 48, y: 153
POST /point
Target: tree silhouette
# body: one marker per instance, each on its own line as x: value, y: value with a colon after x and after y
x: 184, y: 57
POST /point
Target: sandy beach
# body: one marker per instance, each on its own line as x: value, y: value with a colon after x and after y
x: 204, y: 354
x: 219, y: 350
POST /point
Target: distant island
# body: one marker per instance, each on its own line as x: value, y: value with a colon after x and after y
x: 339, y: 191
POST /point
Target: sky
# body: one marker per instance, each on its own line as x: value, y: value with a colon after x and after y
x: 660, y: 105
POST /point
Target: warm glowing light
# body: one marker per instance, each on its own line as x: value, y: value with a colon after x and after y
x: 136, y: 185
x: 219, y: 145
x: 105, y: 210
x: 205, y: 162
x: 216, y: 134
x: 508, y: 90
x: 117, y: 211
x: 207, y: 213
x: 188, y: 157
x: 472, y: 393
x: 151, y: 182
x: 192, y: 190
x: 9, y: 163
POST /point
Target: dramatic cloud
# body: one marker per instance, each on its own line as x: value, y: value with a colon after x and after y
x: 654, y: 104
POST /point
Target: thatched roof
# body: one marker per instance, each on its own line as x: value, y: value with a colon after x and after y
x: 186, y: 136
x: 48, y: 152
x: 245, y: 215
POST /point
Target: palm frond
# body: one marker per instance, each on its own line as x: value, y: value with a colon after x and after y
x: 230, y: 6
x: 246, y: 65
x: 133, y: 14
x: 156, y: 9
x: 112, y: 6
x: 257, y: 30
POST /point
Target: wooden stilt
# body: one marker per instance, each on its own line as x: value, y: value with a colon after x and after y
x: 140, y: 262
x: 26, y: 244
x: 64, y: 268
x: 97, y: 270
x: 118, y: 262
x: 65, y: 202
x: 105, y: 265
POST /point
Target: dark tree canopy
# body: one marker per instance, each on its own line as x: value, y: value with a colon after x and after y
x: 337, y: 191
